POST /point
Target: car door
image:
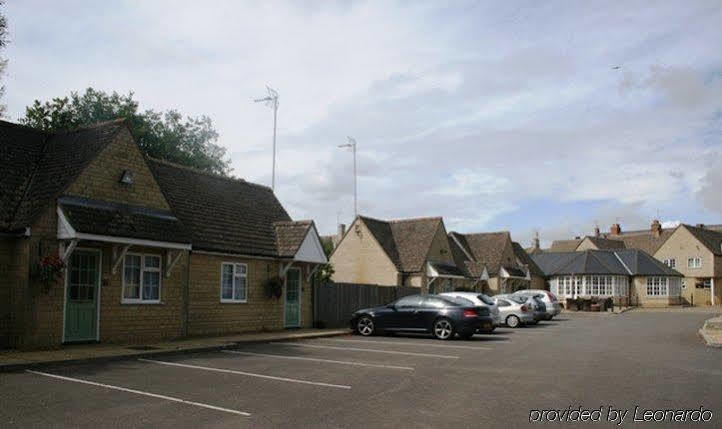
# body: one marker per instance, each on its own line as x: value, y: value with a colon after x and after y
x: 430, y: 308
x: 405, y: 313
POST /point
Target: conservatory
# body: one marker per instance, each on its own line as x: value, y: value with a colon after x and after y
x: 589, y: 285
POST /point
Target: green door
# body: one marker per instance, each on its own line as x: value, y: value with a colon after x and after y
x: 293, y: 291
x: 81, y: 301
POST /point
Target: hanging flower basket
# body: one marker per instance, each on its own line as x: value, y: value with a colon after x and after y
x: 273, y: 287
x: 49, y: 270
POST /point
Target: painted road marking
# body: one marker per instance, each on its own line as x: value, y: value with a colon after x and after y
x: 353, y: 349
x: 408, y: 343
x: 140, y: 392
x: 249, y: 374
x: 342, y: 362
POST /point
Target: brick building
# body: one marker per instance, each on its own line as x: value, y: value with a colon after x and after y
x: 124, y: 227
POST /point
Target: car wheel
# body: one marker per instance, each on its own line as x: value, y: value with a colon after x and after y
x: 443, y: 329
x: 365, y: 326
x: 512, y: 321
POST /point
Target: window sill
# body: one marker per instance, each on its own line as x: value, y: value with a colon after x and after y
x: 232, y: 301
x: 141, y: 302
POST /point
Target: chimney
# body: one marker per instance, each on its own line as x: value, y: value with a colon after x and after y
x: 615, y: 229
x: 656, y: 228
x: 700, y: 225
x: 596, y: 231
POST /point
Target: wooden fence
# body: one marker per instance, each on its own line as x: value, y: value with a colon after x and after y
x: 335, y: 302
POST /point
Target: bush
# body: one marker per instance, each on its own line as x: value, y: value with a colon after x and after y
x: 273, y: 287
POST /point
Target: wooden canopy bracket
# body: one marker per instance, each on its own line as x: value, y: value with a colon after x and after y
x: 171, y: 260
x: 312, y: 272
x: 118, y: 256
x: 67, y: 250
x: 283, y: 269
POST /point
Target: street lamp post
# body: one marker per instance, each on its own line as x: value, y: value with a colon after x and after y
x: 271, y: 100
x: 352, y: 144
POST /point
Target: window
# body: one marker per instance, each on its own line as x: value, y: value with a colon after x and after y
x: 657, y: 286
x: 684, y: 283
x: 694, y: 262
x: 409, y: 301
x: 441, y: 303
x: 502, y: 303
x: 234, y: 282
x: 141, y: 278
x: 707, y: 283
x: 671, y: 263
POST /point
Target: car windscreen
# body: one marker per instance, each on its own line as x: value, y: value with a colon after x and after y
x: 485, y: 299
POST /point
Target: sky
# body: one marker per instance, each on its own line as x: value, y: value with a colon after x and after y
x: 548, y: 117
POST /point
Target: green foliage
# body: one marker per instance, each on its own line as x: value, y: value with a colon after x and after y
x: 163, y: 135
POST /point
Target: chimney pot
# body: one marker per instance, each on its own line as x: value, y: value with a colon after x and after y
x: 615, y: 229
x: 700, y: 225
x: 596, y: 231
x: 656, y: 228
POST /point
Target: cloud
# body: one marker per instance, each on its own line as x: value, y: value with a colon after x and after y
x: 495, y: 116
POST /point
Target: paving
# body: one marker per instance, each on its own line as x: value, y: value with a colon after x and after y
x: 650, y: 360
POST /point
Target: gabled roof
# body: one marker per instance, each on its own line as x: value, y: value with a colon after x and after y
x: 290, y: 235
x: 643, y: 240
x: 630, y: 262
x: 527, y: 260
x: 224, y: 214
x: 405, y: 241
x: 565, y: 245
x: 487, y: 248
x: 36, y: 167
x: 711, y: 239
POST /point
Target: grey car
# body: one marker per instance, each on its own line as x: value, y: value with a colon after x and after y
x: 480, y: 300
x: 535, y: 302
x: 514, y: 311
x: 553, y: 307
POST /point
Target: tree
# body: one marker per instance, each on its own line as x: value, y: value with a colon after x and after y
x: 163, y: 135
x: 3, y: 61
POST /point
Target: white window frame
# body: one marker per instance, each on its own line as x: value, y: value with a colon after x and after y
x: 235, y: 266
x: 143, y: 269
x: 671, y: 262
x: 658, y: 286
x: 695, y: 262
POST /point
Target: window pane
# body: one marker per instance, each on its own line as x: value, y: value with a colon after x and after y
x: 152, y: 261
x: 239, y: 288
x: 240, y: 269
x: 227, y: 282
x: 151, y: 285
x: 131, y: 277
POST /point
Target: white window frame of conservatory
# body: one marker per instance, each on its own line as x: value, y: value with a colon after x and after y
x: 663, y: 285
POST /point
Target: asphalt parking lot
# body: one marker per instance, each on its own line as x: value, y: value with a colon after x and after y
x: 650, y: 360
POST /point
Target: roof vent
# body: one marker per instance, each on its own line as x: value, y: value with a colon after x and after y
x: 127, y: 178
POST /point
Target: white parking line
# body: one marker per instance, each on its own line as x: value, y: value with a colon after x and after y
x: 342, y: 362
x: 353, y: 349
x: 249, y: 374
x: 139, y: 392
x: 408, y: 343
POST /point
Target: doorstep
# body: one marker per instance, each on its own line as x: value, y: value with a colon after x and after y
x: 15, y: 360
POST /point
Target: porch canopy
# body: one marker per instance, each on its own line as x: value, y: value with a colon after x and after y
x: 123, y: 225
x: 299, y: 242
x: 442, y: 270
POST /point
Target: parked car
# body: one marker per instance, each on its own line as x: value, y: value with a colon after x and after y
x: 479, y: 300
x: 443, y: 317
x: 553, y: 306
x: 514, y: 311
x: 540, y: 310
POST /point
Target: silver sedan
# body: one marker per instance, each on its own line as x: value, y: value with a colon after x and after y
x: 514, y: 311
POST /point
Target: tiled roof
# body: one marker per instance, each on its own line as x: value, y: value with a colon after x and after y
x: 486, y: 248
x: 525, y: 259
x: 613, y: 262
x: 405, y: 241
x: 645, y: 241
x: 606, y: 243
x: 122, y: 220
x: 565, y: 245
x: 290, y: 235
x: 223, y: 214
x: 37, y: 167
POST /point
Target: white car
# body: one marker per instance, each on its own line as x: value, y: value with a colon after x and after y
x: 549, y: 299
x: 479, y: 300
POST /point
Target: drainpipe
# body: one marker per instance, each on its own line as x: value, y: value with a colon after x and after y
x: 711, y: 290
x: 186, y: 295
